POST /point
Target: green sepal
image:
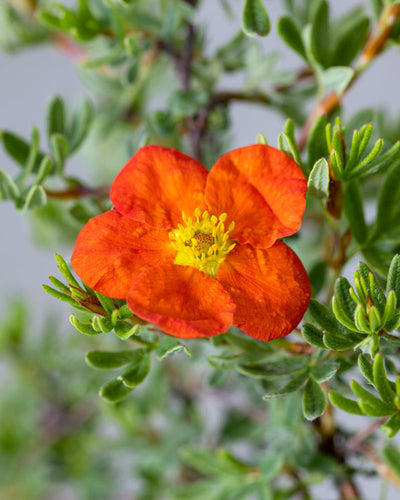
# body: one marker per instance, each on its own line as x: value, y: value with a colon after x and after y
x: 353, y: 209
x: 318, y: 180
x: 366, y: 368
x: 380, y: 380
x: 323, y: 372
x: 169, y: 345
x: 314, y: 401
x: 137, y: 370
x: 114, y: 391
x: 342, y: 316
x: 125, y: 330
x: 85, y: 328
x: 313, y: 336
x: 392, y: 427
x: 109, y: 360
x: 294, y: 385
x: 255, y: 19
x: 8, y: 188
x: 345, y: 404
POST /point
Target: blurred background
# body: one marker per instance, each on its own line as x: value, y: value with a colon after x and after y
x: 66, y: 446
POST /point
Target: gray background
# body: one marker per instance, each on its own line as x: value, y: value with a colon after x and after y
x: 29, y: 79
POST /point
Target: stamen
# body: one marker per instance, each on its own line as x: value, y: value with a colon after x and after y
x: 202, y: 242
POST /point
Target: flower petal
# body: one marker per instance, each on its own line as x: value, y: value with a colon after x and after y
x: 269, y: 287
x: 111, y: 250
x: 262, y: 190
x: 182, y: 301
x: 157, y: 184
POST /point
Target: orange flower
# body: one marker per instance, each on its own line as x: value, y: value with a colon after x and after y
x: 195, y: 251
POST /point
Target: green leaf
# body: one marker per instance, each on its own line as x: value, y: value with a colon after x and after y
x: 80, y: 126
x: 345, y: 404
x: 208, y: 463
x: 393, y: 278
x: 114, y: 391
x: 366, y: 368
x: 55, y: 117
x: 291, y: 35
x: 314, y: 401
x: 392, y: 427
x: 84, y: 328
x: 59, y: 148
x: 390, y: 310
x: 351, y: 31
x: 313, y: 336
x: 62, y: 296
x: 255, y: 20
x: 325, y: 318
x: 109, y: 360
x: 337, y: 78
x: 340, y: 342
x: 137, y: 370
x: 380, y: 380
x: 342, y: 287
x: 353, y: 209
x: 318, y: 181
x: 277, y: 367
x: 8, y: 189
x: 19, y: 149
x: 64, y: 269
x: 342, y: 316
x: 295, y: 384
x: 125, y: 330
x: 35, y: 197
x: 106, y: 302
x: 316, y: 144
x: 369, y: 403
x: 320, y: 35
x: 323, y: 372
x: 169, y: 345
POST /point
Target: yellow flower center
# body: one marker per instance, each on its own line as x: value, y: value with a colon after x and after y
x: 202, y: 243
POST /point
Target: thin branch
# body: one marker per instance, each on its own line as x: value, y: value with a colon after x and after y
x: 79, y: 192
x: 375, y: 44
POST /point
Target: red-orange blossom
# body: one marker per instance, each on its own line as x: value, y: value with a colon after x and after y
x: 195, y: 251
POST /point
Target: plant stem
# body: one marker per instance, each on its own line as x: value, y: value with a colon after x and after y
x: 375, y: 44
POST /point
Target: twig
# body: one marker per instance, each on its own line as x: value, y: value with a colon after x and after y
x: 373, y: 47
x: 79, y: 192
